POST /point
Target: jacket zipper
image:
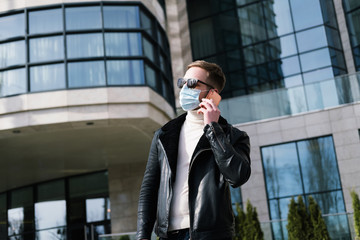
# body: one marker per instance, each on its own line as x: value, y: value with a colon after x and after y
x: 217, y: 139
x: 191, y: 163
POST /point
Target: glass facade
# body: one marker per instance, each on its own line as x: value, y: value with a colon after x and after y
x: 267, y: 44
x: 352, y: 10
x: 309, y: 168
x: 86, y: 45
x: 60, y: 209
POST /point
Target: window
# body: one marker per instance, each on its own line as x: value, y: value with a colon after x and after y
x: 311, y: 39
x: 307, y: 168
x: 123, y: 44
x: 47, y: 77
x: 12, y: 82
x: 121, y: 17
x: 305, y: 17
x: 46, y: 49
x: 12, y: 26
x: 85, y: 45
x: 83, y: 18
x: 46, y: 21
x: 125, y: 72
x: 12, y: 53
x: 3, y: 220
x: 86, y: 74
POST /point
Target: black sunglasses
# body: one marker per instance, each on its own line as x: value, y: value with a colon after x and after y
x: 191, y: 82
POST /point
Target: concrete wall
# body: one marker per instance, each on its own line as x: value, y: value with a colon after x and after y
x: 342, y: 122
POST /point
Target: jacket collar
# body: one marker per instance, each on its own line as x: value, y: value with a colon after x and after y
x: 170, y: 139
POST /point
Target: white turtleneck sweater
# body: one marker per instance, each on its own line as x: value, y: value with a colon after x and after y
x: 190, y: 133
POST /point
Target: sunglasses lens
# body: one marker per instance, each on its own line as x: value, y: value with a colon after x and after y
x: 181, y: 82
x: 191, y: 82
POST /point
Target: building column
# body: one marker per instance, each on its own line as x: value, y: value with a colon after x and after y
x: 124, y: 186
x: 344, y: 35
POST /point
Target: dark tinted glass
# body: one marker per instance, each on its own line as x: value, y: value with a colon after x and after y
x: 351, y: 4
x: 83, y: 18
x: 149, y: 49
x: 86, y: 74
x: 147, y: 23
x: 88, y: 185
x: 12, y: 53
x: 353, y: 19
x: 47, y: 77
x: 12, y: 26
x: 121, y: 17
x: 45, y: 21
x: 202, y: 38
x: 150, y: 75
x: 3, y: 218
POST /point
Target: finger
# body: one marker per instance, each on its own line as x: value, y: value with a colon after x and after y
x: 206, y: 105
x: 200, y: 111
x: 210, y: 102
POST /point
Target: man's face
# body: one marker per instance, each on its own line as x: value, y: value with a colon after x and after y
x: 202, y: 75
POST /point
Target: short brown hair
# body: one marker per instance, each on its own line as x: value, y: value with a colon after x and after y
x: 216, y: 75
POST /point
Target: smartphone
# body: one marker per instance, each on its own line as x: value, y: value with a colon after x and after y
x: 214, y: 96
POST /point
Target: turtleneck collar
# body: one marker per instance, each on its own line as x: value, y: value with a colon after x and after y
x: 193, y: 117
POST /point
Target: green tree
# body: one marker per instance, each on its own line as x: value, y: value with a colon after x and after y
x: 247, y: 225
x: 298, y: 226
x: 356, y: 207
x: 320, y: 231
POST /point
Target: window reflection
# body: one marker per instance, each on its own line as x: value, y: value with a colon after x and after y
x: 47, y: 77
x: 83, y: 18
x: 12, y: 26
x: 315, y: 59
x: 12, y: 82
x: 50, y: 214
x: 16, y: 221
x: 46, y: 49
x: 282, y: 17
x: 125, y: 72
x: 45, y: 21
x: 86, y: 74
x: 311, y: 39
x: 305, y: 17
x: 202, y: 38
x: 148, y: 49
x: 12, y: 53
x: 84, y: 45
x: 290, y: 66
x: 150, y: 74
x: 97, y: 209
x: 123, y: 44
x: 318, y: 75
x: 121, y: 17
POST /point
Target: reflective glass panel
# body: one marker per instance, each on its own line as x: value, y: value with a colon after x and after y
x: 85, y: 45
x: 148, y: 49
x: 50, y: 214
x: 47, y: 77
x: 12, y: 82
x: 86, y: 74
x: 15, y: 221
x: 202, y: 38
x: 318, y: 161
x: 54, y: 190
x: 83, y: 18
x: 282, y: 17
x: 97, y: 209
x: 318, y: 75
x: 333, y: 38
x: 3, y: 219
x: 288, y: 46
x: 58, y: 233
x: 150, y: 77
x: 12, y: 53
x: 311, y: 39
x: 46, y: 21
x: 338, y: 226
x: 290, y: 66
x: 252, y: 25
x: 125, y: 72
x: 353, y: 19
x: 92, y: 184
x: 147, y: 23
x: 306, y: 13
x: 293, y: 81
x: 12, y: 26
x: 351, y: 4
x: 281, y: 165
x: 121, y: 17
x: 316, y: 59
x: 46, y: 49
x: 123, y: 44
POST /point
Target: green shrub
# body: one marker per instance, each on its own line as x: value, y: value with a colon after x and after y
x: 320, y: 231
x: 356, y: 207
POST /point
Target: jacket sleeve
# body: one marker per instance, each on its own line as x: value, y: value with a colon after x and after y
x: 147, y: 206
x: 233, y: 159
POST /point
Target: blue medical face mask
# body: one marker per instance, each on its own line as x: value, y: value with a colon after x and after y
x: 189, y: 98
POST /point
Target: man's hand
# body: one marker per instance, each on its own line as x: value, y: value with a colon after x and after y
x: 210, y: 110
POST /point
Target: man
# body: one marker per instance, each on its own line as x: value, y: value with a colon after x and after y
x: 192, y: 160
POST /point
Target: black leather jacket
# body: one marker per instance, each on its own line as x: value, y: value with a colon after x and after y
x: 221, y: 157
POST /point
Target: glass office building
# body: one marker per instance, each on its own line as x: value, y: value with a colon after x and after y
x: 84, y: 85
